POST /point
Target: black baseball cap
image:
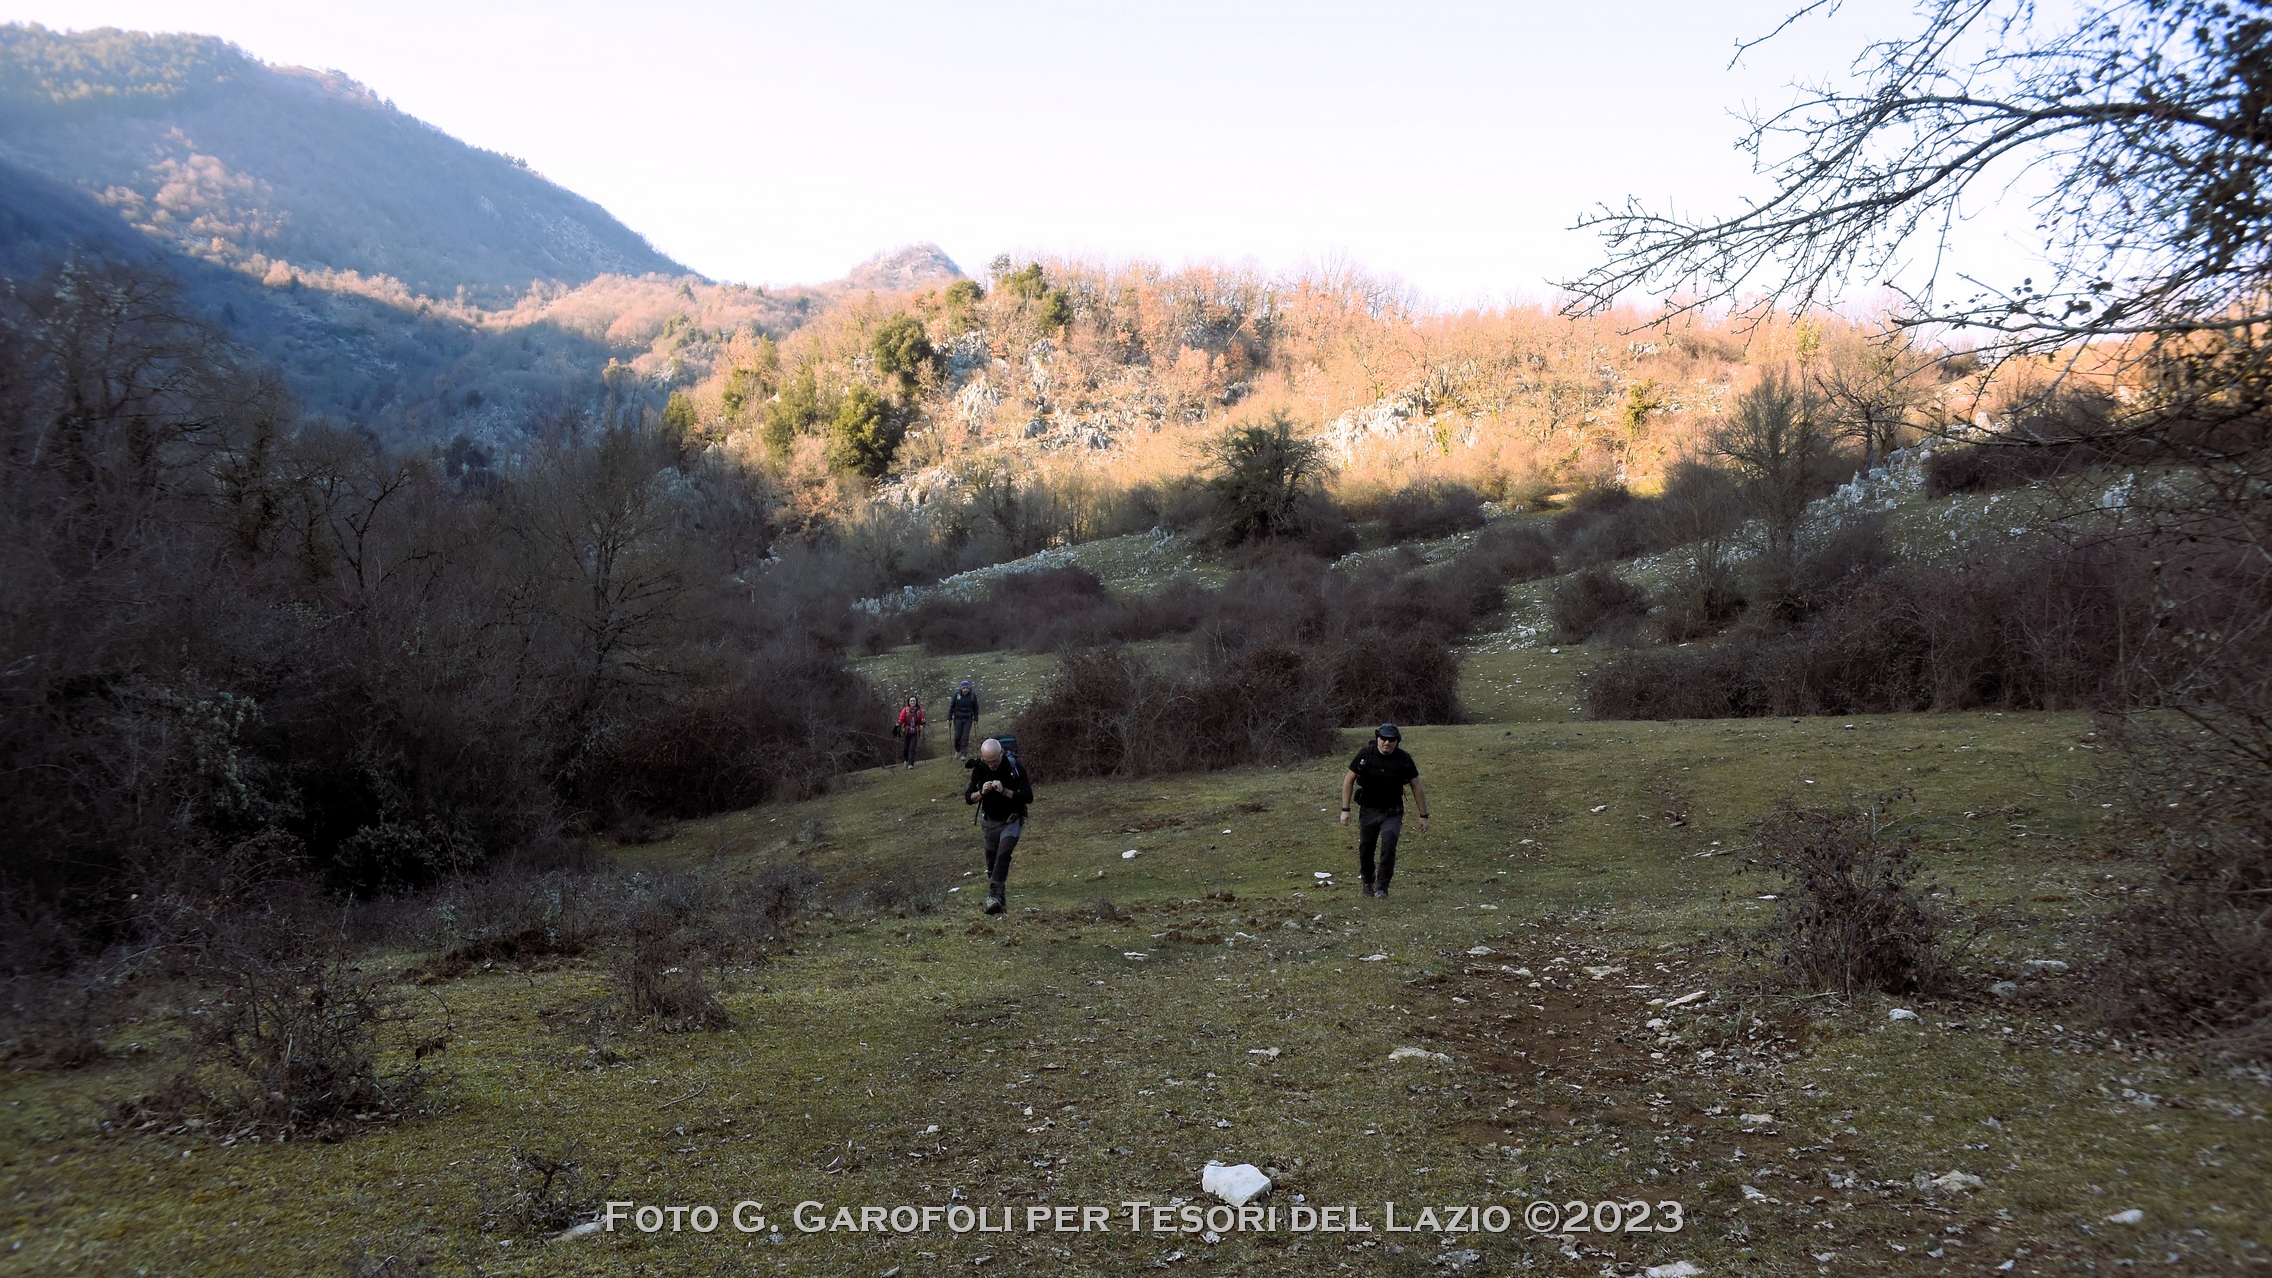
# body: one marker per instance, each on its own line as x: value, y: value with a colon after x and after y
x: 1387, y: 731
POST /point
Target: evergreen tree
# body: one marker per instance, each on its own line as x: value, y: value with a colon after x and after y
x: 680, y: 426
x: 797, y: 410
x: 902, y: 350
x: 864, y: 435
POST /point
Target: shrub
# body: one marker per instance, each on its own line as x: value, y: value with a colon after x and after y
x: 1515, y: 553
x: 1721, y: 681
x: 1420, y: 512
x: 902, y: 350
x: 2047, y: 630
x: 1603, y: 525
x: 781, y: 891
x: 1980, y: 468
x: 1823, y: 567
x: 545, y: 1189
x: 1053, y: 609
x: 799, y: 409
x: 289, y: 1045
x: 1119, y: 713
x: 659, y: 979
x: 1849, y: 920
x: 1285, y: 652
x: 791, y: 719
x: 1477, y: 579
x: 2062, y: 433
x: 2191, y: 948
x: 1593, y: 601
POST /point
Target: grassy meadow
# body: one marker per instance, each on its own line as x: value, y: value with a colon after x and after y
x: 1568, y: 950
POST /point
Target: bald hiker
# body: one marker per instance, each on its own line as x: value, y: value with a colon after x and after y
x: 1001, y: 789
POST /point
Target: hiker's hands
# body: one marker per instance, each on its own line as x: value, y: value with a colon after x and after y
x: 1423, y: 825
x: 1344, y: 816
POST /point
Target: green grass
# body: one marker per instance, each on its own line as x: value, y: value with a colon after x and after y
x: 865, y: 1032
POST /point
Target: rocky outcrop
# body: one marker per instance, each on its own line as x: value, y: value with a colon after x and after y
x: 904, y: 270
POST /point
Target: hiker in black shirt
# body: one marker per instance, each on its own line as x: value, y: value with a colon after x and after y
x: 1001, y: 789
x: 963, y: 711
x: 1378, y: 776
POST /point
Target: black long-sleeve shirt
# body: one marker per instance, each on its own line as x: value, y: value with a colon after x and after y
x: 964, y: 705
x: 1000, y: 805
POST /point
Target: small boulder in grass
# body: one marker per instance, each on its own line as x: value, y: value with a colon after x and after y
x: 2130, y: 1217
x: 1901, y: 1014
x: 1953, y: 1181
x: 1237, y: 1185
x: 1677, y: 1269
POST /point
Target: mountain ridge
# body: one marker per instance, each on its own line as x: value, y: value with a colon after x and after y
x: 249, y: 165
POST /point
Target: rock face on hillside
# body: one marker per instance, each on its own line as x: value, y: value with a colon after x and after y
x: 234, y: 161
x: 904, y: 269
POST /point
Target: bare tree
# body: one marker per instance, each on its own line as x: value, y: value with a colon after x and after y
x: 1870, y: 393
x: 2147, y: 126
x: 2149, y: 118
x: 1777, y: 449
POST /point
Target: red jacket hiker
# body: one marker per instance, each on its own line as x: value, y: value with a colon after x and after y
x: 909, y: 727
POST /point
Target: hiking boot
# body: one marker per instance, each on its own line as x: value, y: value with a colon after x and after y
x: 993, y: 905
x: 1367, y: 887
x: 1382, y: 890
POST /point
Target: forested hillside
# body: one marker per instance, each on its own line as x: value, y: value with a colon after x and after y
x: 286, y: 169
x: 396, y: 278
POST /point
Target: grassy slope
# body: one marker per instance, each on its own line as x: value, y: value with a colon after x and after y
x: 1058, y: 1068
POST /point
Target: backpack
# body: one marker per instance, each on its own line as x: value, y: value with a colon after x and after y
x: 1009, y: 746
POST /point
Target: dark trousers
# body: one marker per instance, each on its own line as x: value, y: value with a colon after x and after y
x: 910, y: 740
x: 1384, y: 827
x: 962, y: 736
x: 1001, y: 840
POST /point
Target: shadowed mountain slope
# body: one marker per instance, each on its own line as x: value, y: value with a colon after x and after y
x: 244, y: 164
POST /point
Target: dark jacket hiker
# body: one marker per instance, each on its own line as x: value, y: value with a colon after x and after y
x: 963, y: 711
x: 1001, y: 789
x: 1377, y: 777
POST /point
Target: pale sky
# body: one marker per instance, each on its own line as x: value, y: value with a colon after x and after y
x: 1451, y: 145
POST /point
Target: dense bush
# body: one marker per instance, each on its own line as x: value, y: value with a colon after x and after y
x: 290, y: 1043
x: 2060, y: 433
x: 1117, y: 712
x: 1979, y: 468
x: 1603, y: 525
x: 1595, y: 602
x: 2047, y: 631
x: 1286, y: 651
x: 1701, y: 507
x: 1051, y: 609
x: 1849, y: 919
x: 1422, y: 512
